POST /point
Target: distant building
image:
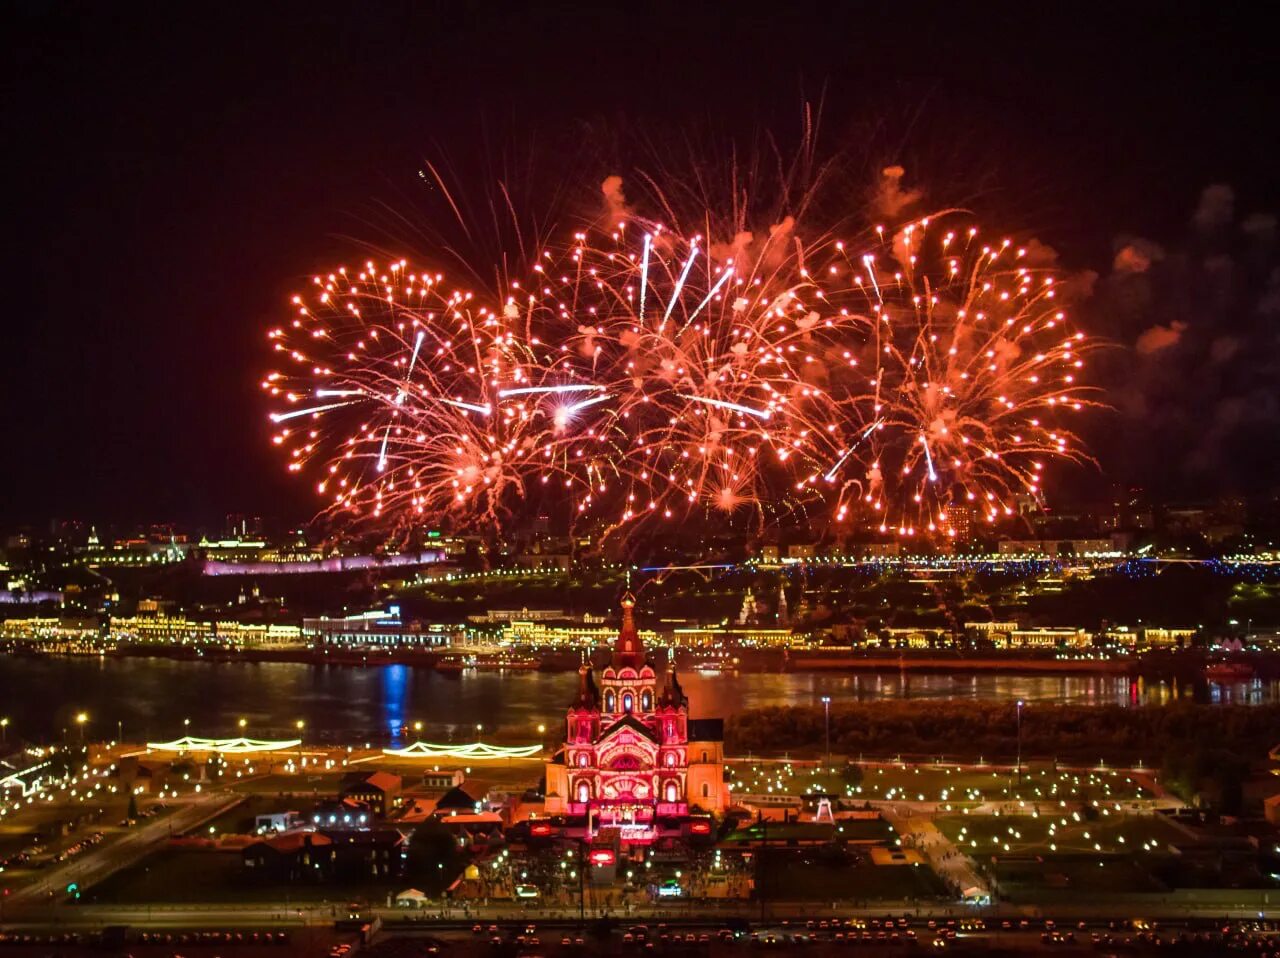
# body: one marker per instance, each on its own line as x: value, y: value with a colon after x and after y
x: 443, y: 779
x: 562, y: 636
x: 1048, y: 639
x: 378, y: 790
x: 878, y: 550
x: 1007, y: 635
x: 960, y: 519
x: 1056, y: 547
x: 718, y: 636
x: 376, y: 628
x: 324, y: 855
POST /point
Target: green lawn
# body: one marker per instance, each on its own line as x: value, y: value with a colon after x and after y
x: 955, y: 784
x: 982, y: 836
x: 322, y: 784
x: 1073, y: 875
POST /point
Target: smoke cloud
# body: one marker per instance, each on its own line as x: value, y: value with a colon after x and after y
x: 1159, y: 337
x: 891, y: 200
x: 1197, y: 412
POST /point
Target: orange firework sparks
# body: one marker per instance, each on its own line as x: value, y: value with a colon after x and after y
x: 971, y: 372
x: 416, y: 397
x: 642, y: 375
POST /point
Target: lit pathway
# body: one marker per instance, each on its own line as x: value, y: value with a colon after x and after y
x: 953, y: 865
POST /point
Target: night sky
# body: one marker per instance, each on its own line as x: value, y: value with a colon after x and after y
x: 174, y: 171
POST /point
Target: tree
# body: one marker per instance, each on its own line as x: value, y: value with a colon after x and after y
x: 434, y: 858
x: 132, y: 813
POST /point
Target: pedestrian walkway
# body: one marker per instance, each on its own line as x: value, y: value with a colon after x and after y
x: 954, y: 867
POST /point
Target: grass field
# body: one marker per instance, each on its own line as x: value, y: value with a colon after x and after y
x: 938, y: 783
x: 1073, y: 874
x: 986, y: 835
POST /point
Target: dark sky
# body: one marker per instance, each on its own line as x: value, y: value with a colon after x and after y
x: 174, y: 169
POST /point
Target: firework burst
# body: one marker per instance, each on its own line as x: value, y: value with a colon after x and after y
x: 419, y: 400
x: 707, y: 366
x: 970, y: 376
x: 641, y: 375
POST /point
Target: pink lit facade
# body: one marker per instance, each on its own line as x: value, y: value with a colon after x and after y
x: 627, y: 757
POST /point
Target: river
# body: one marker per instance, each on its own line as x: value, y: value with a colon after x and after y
x: 153, y: 698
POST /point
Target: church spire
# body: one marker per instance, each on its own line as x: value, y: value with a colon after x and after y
x: 628, y: 650
x: 588, y: 695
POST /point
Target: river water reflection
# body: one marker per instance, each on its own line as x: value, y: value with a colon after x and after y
x: 153, y: 697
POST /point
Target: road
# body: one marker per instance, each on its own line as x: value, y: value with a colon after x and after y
x: 95, y: 864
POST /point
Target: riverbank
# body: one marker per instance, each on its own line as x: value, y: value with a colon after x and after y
x: 1182, y: 666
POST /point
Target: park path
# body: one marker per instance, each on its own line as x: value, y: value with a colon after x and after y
x: 951, y: 864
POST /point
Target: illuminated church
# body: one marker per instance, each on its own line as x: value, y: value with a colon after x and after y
x: 631, y: 754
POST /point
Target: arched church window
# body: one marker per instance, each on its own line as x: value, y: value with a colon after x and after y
x: 582, y: 759
x: 646, y: 700
x: 627, y: 701
x: 584, y: 792
x: 608, y: 701
x: 706, y: 789
x: 672, y: 792
x: 704, y: 754
x: 671, y: 760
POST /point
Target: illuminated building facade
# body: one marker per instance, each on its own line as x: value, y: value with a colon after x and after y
x: 376, y: 628
x: 631, y: 755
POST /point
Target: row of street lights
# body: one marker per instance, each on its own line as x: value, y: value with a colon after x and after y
x: 82, y: 719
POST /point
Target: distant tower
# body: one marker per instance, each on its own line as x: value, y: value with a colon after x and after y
x: 784, y: 617
x: 93, y: 536
x: 748, y: 614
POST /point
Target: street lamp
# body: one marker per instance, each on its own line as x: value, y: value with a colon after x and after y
x: 479, y: 729
x: 81, y: 718
x: 242, y: 723
x: 826, y: 708
x: 4, y: 730
x: 1019, y: 764
x: 300, y: 725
